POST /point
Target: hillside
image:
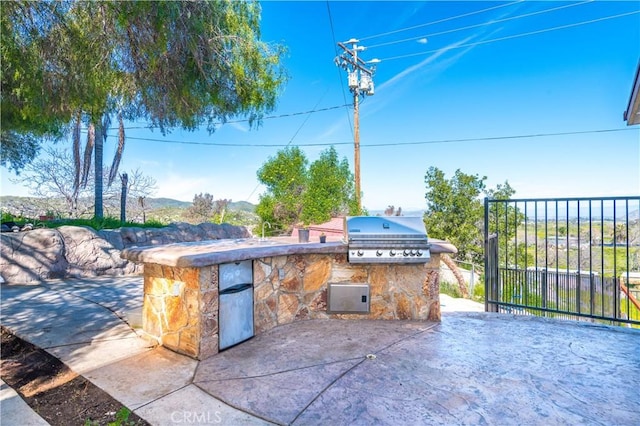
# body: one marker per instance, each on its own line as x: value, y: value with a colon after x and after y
x: 165, y: 210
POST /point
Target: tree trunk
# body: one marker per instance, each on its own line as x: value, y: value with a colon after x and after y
x: 123, y: 198
x: 144, y: 214
x: 456, y: 272
x: 99, y: 146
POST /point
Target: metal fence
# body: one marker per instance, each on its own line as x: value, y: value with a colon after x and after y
x: 570, y: 258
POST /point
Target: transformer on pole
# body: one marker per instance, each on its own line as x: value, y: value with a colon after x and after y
x: 360, y: 80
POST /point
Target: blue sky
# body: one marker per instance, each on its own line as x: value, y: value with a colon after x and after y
x: 449, y: 71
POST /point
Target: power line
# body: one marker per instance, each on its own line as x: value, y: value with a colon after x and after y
x: 477, y: 43
x: 427, y: 142
x: 335, y: 49
x: 346, y: 105
x: 291, y: 114
x: 497, y: 21
x: 293, y: 137
x: 440, y: 20
x: 498, y: 138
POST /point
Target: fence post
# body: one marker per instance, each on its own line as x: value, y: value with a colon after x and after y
x: 472, y: 283
x: 617, y: 306
x: 544, y: 291
x: 592, y: 293
x: 490, y: 264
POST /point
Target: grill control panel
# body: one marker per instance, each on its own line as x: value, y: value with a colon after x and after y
x: 387, y: 255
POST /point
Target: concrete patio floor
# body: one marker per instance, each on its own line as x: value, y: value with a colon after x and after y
x: 472, y: 368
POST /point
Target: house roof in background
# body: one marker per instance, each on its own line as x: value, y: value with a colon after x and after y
x: 632, y: 114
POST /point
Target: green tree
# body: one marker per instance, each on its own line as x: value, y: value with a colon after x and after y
x: 504, y: 219
x: 455, y: 211
x: 175, y: 64
x: 297, y: 193
x: 330, y: 189
x: 285, y: 179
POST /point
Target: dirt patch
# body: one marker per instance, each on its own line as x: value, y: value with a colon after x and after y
x: 56, y: 393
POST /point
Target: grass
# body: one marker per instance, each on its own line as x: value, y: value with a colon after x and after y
x: 97, y: 224
x: 603, y: 259
x: 450, y: 289
x: 122, y: 419
x: 565, y: 299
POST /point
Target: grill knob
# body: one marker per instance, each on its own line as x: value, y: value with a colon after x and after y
x: 379, y: 253
x: 360, y: 252
x: 413, y: 252
x: 419, y: 252
x: 406, y: 253
x: 392, y: 252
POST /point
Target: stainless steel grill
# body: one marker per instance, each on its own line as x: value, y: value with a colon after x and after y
x: 377, y: 239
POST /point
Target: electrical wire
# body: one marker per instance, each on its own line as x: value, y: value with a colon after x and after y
x: 335, y: 44
x: 291, y: 114
x: 440, y: 20
x: 477, y: 43
x: 427, y: 142
x: 497, y: 21
x: 293, y: 137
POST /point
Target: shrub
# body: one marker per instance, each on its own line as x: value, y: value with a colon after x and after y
x: 450, y: 289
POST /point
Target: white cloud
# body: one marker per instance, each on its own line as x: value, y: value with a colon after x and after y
x: 412, y: 69
x: 179, y: 187
x: 336, y: 127
x: 423, y: 40
x: 241, y: 127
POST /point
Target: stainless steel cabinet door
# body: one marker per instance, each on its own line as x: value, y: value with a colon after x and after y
x: 236, y: 317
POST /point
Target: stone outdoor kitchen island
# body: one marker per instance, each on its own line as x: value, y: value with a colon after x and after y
x: 290, y: 282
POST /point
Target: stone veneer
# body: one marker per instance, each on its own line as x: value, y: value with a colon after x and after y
x: 397, y: 291
x: 180, y: 308
x: 181, y: 303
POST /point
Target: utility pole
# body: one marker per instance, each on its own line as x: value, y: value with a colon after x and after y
x: 360, y: 78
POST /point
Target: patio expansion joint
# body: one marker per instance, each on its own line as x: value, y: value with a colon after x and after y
x: 275, y: 373
x: 340, y: 376
x: 365, y: 358
x: 163, y: 396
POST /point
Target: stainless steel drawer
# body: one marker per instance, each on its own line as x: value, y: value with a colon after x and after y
x: 235, y: 273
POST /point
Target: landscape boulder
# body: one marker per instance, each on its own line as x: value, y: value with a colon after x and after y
x: 76, y: 251
x: 32, y: 256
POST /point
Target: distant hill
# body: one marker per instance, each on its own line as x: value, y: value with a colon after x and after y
x: 151, y: 203
x: 243, y: 206
x: 159, y: 203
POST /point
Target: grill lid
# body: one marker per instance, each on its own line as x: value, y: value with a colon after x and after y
x: 370, y: 230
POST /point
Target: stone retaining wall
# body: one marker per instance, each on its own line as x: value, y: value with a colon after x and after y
x: 76, y: 251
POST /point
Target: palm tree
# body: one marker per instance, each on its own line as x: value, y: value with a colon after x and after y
x: 96, y: 137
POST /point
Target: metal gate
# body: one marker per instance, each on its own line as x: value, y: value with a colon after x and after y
x: 568, y: 258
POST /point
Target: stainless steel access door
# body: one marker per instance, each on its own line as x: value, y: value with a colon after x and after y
x: 236, y: 316
x: 235, y: 311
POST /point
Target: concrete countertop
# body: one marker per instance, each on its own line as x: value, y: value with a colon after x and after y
x: 212, y: 252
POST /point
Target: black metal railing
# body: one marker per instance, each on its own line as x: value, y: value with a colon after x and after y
x: 570, y: 258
